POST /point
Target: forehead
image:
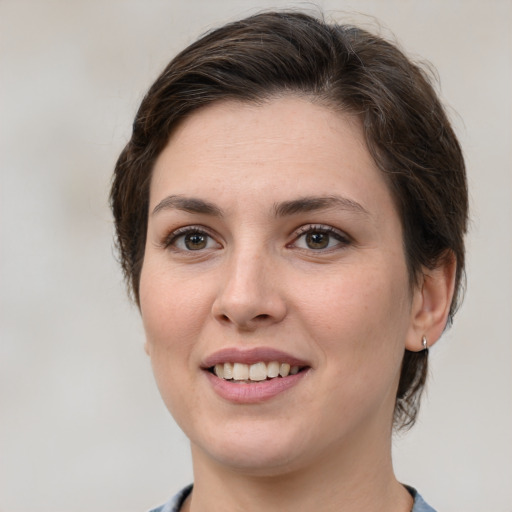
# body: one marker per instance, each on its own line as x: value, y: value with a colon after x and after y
x: 286, y: 146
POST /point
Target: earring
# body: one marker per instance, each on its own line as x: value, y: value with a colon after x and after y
x: 424, y: 343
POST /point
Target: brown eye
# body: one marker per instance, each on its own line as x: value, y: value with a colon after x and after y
x: 195, y: 241
x: 317, y: 240
x: 190, y: 240
x: 320, y: 238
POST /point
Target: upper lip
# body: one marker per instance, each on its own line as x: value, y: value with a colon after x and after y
x: 251, y: 356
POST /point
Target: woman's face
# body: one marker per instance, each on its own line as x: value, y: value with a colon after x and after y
x: 273, y: 238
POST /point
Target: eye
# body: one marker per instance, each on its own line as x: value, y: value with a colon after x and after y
x: 318, y: 238
x: 191, y: 239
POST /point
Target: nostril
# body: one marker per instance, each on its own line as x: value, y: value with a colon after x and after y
x: 225, y: 318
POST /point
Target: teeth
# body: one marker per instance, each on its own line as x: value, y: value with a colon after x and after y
x: 258, y: 371
x: 254, y: 372
x: 219, y: 370
x: 273, y: 369
x: 240, y: 371
x: 284, y: 369
x: 228, y: 371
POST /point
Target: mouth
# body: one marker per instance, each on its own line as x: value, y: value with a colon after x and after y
x: 249, y: 376
x: 257, y: 372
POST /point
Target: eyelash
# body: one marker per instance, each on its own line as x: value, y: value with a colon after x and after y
x: 303, y: 231
x: 170, y: 241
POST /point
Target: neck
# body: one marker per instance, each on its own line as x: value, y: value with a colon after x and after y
x: 351, y: 478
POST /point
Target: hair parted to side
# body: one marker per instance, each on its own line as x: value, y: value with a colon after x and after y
x: 406, y: 129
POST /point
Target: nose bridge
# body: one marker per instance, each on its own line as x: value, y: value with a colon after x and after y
x: 246, y: 272
x: 249, y: 293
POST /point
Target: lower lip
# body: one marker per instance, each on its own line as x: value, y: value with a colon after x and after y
x: 256, y: 392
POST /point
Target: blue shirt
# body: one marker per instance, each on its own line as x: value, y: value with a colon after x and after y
x: 174, y: 505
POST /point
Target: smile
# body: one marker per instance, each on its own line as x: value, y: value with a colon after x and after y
x: 253, y: 375
x: 256, y: 372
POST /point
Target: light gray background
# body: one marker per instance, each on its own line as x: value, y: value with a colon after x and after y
x: 82, y: 427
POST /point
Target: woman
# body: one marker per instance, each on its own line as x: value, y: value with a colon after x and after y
x: 290, y: 214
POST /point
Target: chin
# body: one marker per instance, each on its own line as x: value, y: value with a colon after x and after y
x: 258, y: 452
x: 256, y: 463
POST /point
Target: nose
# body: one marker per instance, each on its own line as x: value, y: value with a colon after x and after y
x: 249, y: 294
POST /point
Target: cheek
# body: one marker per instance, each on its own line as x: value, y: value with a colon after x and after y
x: 359, y: 325
x: 172, y: 313
x: 171, y: 308
x: 358, y: 313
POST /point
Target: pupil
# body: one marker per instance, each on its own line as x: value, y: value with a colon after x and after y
x: 317, y: 240
x: 195, y: 241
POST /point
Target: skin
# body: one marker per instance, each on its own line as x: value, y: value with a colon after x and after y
x: 347, y: 309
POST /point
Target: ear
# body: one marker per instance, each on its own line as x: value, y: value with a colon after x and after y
x: 431, y: 303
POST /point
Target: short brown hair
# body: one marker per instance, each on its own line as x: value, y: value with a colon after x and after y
x: 348, y: 69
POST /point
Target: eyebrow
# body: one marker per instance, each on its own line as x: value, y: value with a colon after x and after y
x: 315, y: 203
x: 284, y: 209
x: 188, y: 204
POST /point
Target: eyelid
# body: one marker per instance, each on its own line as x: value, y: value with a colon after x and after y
x: 343, y: 238
x: 170, y: 238
x: 340, y: 235
x: 327, y: 228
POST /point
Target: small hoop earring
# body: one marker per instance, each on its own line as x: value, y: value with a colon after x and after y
x: 424, y: 343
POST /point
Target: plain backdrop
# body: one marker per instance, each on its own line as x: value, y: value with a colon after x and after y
x: 82, y: 427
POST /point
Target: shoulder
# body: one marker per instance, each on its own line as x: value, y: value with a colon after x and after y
x: 420, y: 505
x: 174, y: 504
